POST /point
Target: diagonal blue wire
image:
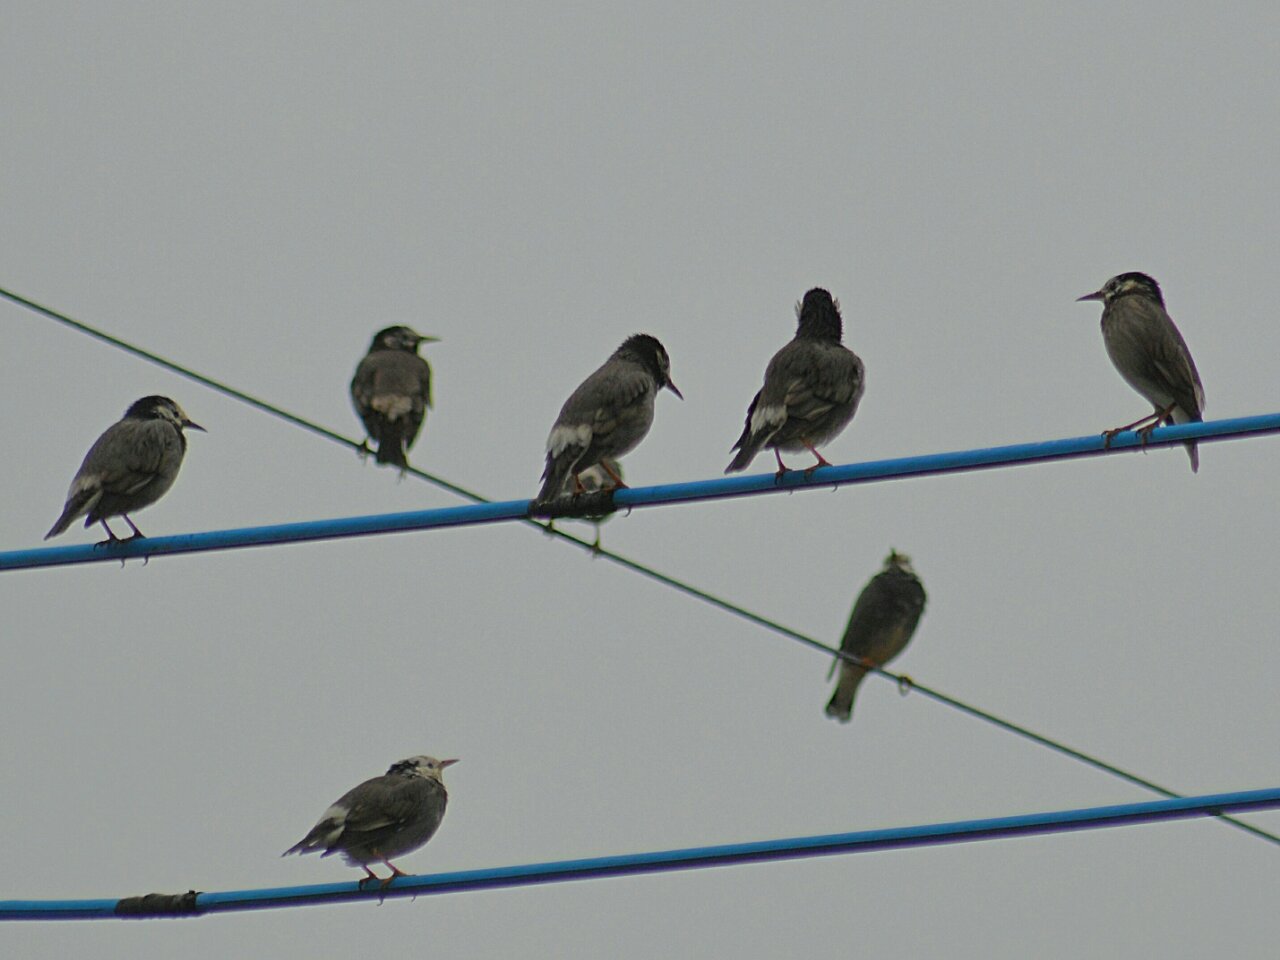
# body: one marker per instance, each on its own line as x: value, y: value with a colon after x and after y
x: 634, y: 497
x: 793, y: 848
x: 649, y: 572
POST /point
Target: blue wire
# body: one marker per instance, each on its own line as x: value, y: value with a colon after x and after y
x: 720, y: 488
x: 1061, y: 821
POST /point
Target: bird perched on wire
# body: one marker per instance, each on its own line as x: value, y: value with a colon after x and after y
x: 592, y: 480
x: 883, y: 620
x: 607, y: 416
x: 1150, y: 354
x: 811, y: 389
x: 392, y: 392
x: 383, y: 817
x: 131, y: 466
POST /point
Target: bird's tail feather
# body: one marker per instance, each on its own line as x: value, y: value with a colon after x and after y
x: 746, y: 453
x: 556, y: 473
x: 391, y: 450
x: 77, y: 505
x: 841, y: 703
x: 1194, y: 454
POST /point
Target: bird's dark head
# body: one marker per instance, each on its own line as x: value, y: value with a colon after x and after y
x: 1127, y: 285
x: 161, y: 408
x: 819, y: 316
x: 428, y: 768
x: 651, y: 354
x: 399, y: 338
x: 898, y: 561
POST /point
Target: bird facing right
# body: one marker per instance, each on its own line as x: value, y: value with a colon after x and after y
x: 607, y: 416
x: 1150, y: 354
x: 382, y: 818
x: 392, y: 392
x: 131, y: 466
x: 811, y: 388
x: 883, y: 620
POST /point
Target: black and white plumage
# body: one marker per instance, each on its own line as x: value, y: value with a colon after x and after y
x: 608, y: 415
x: 811, y: 388
x: 1150, y: 354
x: 592, y: 480
x: 131, y: 466
x: 383, y: 817
x: 883, y: 620
x: 392, y: 392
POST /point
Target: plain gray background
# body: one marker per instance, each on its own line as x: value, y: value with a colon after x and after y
x: 254, y: 189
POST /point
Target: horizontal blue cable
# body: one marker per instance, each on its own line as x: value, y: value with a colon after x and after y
x: 935, y: 463
x: 193, y: 904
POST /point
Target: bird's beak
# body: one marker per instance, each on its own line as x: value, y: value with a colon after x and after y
x: 1097, y: 295
x: 192, y: 425
x: 674, y: 389
x: 422, y: 339
x: 448, y: 763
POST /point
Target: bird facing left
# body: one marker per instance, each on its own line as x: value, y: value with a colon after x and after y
x: 1148, y: 351
x: 131, y: 466
x: 383, y: 817
x: 391, y: 391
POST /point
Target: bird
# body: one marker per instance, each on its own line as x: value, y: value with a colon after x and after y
x: 883, y: 620
x: 592, y: 480
x: 1147, y: 349
x: 384, y: 817
x: 811, y: 389
x: 607, y: 416
x: 392, y: 392
x: 131, y: 466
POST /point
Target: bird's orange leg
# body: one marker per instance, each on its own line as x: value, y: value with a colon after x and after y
x: 1109, y: 435
x: 395, y: 872
x: 617, y: 480
x: 1161, y: 416
x: 822, y: 461
x: 782, y: 467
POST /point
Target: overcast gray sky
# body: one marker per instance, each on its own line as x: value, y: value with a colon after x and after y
x: 254, y: 189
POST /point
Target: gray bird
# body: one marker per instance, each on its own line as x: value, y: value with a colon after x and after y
x: 1150, y: 354
x: 392, y: 392
x: 131, y: 466
x: 384, y: 817
x: 607, y: 416
x: 592, y: 480
x: 811, y: 389
x: 884, y: 617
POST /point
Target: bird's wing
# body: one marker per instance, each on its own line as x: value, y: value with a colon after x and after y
x: 1173, y: 361
x: 126, y: 457
x: 392, y: 384
x: 884, y: 616
x: 385, y: 805
x: 1153, y: 343
x: 811, y: 383
x: 600, y: 403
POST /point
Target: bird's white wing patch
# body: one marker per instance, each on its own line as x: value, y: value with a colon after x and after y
x: 85, y: 483
x: 393, y: 406
x: 564, y: 436
x: 767, y: 419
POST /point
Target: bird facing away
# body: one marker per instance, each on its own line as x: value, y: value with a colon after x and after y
x: 1150, y: 354
x: 382, y: 818
x: 392, y: 392
x: 883, y: 619
x: 131, y: 466
x: 607, y: 416
x: 811, y: 389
